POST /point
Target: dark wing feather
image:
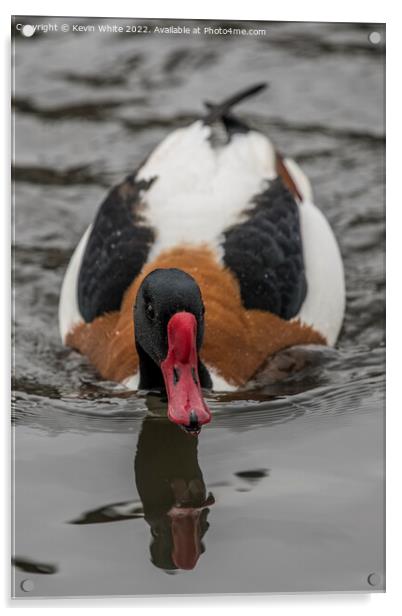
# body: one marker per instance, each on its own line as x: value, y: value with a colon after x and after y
x: 265, y: 253
x: 117, y: 248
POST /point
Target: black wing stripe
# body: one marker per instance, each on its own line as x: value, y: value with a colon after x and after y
x: 116, y: 251
x: 265, y: 253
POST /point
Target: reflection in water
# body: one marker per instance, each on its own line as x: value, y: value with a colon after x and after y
x: 253, y: 475
x: 174, y: 499
x: 111, y: 513
x: 31, y: 566
x: 172, y: 490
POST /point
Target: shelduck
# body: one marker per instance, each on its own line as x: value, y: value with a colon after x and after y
x: 203, y: 263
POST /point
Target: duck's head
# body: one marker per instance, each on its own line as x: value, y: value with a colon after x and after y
x: 169, y: 329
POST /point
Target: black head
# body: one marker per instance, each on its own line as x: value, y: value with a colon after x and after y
x: 169, y: 329
x: 163, y: 293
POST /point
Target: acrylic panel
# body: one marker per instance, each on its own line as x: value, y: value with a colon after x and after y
x: 236, y: 450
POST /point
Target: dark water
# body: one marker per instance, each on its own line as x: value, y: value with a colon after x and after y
x: 285, y: 491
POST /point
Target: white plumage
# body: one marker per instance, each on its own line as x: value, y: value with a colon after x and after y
x: 324, y: 305
x: 203, y: 190
x: 69, y: 312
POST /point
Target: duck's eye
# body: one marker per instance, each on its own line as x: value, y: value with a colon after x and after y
x: 150, y: 312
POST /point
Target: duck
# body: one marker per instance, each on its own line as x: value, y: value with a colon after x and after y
x: 202, y: 264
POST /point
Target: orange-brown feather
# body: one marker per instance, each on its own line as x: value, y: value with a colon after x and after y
x: 287, y: 179
x: 237, y: 341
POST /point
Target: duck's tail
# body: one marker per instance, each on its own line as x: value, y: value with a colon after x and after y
x: 221, y: 111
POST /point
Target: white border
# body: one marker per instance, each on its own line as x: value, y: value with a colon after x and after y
x: 341, y: 10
